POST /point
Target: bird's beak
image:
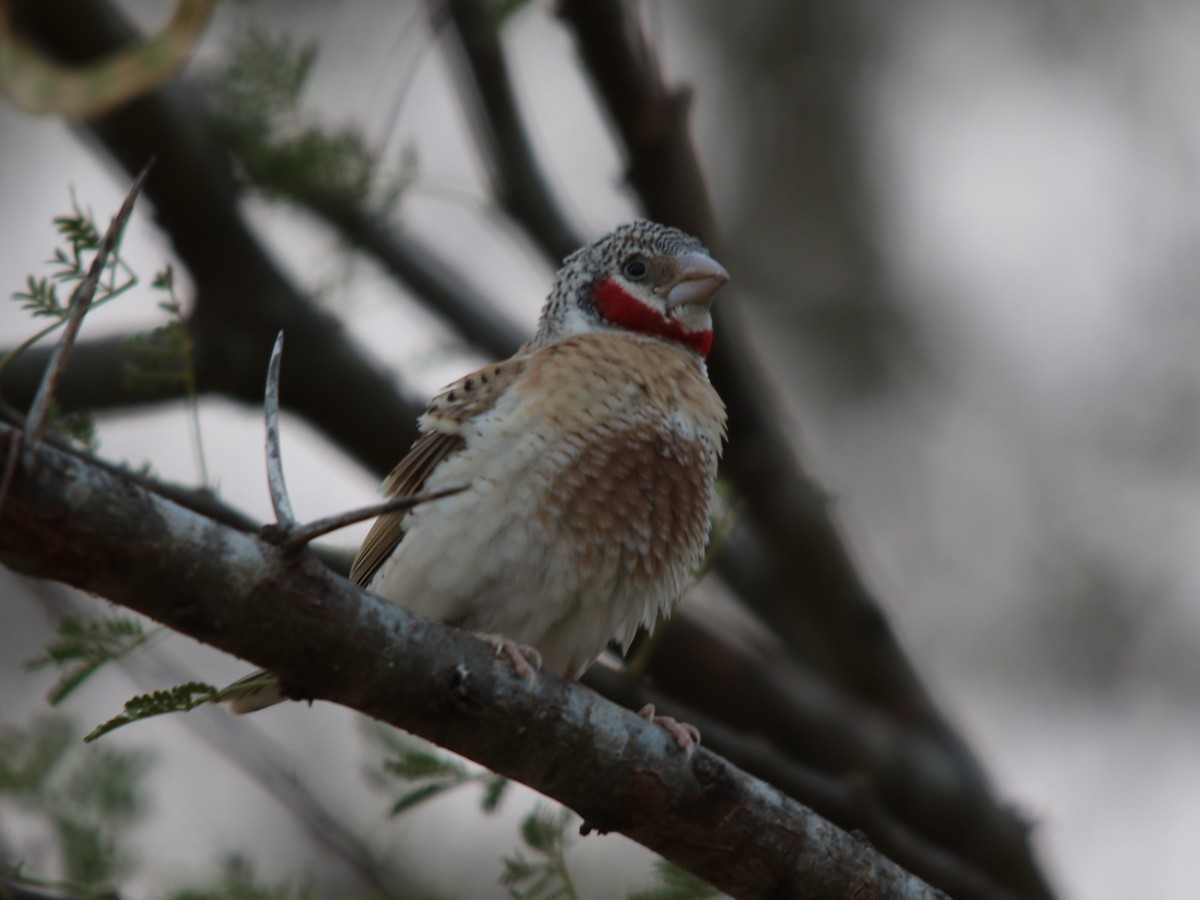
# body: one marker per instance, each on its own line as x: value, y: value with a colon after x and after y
x: 698, y: 278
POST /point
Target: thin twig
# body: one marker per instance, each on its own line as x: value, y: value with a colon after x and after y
x: 286, y: 530
x: 303, y: 534
x: 81, y: 299
x: 10, y: 463
x: 285, y: 519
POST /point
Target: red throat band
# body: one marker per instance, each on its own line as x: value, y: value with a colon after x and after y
x: 619, y: 308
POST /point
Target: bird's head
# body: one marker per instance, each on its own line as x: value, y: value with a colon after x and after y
x: 641, y: 277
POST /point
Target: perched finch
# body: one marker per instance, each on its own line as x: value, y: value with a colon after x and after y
x: 588, y: 457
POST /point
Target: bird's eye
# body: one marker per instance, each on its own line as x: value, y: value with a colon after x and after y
x: 636, y: 269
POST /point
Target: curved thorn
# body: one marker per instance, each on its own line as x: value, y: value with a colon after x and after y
x: 280, y: 502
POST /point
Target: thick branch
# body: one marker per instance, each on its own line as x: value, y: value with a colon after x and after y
x: 850, y: 803
x: 775, y: 721
x: 75, y: 522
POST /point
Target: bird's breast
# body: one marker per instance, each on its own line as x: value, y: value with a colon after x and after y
x: 587, y: 513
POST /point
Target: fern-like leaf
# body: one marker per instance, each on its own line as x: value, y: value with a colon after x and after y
x: 423, y: 772
x: 545, y: 876
x: 81, y: 647
x: 85, y: 799
x: 181, y: 698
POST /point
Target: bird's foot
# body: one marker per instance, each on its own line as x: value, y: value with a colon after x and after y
x: 686, y: 736
x: 525, y: 659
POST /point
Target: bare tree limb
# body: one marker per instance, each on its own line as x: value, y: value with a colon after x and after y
x: 777, y: 722
x: 903, y: 771
x: 251, y: 599
x: 517, y: 179
x: 432, y: 282
x: 848, y: 803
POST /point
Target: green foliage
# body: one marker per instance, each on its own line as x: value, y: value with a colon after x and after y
x: 673, y: 883
x: 237, y: 882
x: 255, y: 103
x: 81, y: 647
x: 543, y: 875
x: 423, y: 772
x: 164, y: 360
x: 181, y: 698
x: 86, y: 797
x: 70, y: 262
x: 79, y: 426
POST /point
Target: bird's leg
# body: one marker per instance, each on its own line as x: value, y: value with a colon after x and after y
x: 686, y: 736
x: 525, y: 659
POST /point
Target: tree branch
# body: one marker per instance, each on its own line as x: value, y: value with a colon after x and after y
x: 764, y: 714
x: 850, y: 803
x: 417, y: 266
x: 75, y: 522
x: 517, y: 179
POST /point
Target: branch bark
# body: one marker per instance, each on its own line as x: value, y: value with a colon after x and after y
x: 73, y: 521
x: 517, y: 179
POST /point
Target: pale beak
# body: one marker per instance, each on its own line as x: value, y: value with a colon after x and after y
x: 698, y: 278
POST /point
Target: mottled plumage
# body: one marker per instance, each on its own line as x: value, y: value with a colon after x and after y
x: 589, y: 459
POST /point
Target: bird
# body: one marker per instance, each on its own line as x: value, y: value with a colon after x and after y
x: 589, y: 461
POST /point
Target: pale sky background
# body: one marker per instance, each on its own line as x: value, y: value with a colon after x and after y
x: 1030, y: 522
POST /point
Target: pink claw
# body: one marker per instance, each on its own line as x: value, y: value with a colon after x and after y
x: 525, y: 659
x: 686, y: 736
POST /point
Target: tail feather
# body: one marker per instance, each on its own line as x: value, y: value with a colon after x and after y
x: 256, y: 691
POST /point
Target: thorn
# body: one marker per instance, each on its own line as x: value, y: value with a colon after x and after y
x: 285, y: 519
x: 298, y: 535
x: 81, y: 300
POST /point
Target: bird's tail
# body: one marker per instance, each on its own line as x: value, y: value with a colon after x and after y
x: 256, y: 691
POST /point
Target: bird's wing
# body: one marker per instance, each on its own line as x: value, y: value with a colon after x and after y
x: 442, y: 436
